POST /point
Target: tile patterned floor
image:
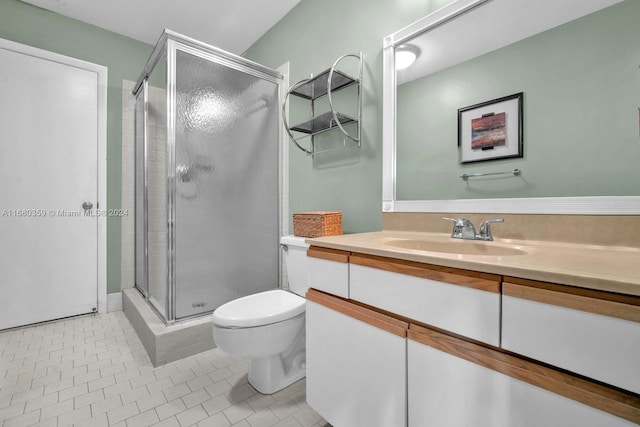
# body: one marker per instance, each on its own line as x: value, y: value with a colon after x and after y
x: 93, y: 371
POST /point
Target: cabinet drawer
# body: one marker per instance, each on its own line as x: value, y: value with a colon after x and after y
x: 328, y: 270
x: 592, y: 333
x: 463, y: 303
x: 454, y: 383
x: 356, y: 363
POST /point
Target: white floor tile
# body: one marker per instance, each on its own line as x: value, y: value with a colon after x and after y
x: 92, y: 371
x: 144, y: 419
x: 218, y: 420
x: 170, y: 409
x: 72, y: 417
x: 192, y: 416
x: 24, y: 420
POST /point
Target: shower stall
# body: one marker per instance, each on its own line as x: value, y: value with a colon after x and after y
x: 207, y: 177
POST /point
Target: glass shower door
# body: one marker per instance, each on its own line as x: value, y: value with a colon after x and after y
x: 226, y: 184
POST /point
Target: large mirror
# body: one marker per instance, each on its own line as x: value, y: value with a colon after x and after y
x: 515, y: 106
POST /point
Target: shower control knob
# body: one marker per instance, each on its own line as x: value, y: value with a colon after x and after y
x: 87, y: 205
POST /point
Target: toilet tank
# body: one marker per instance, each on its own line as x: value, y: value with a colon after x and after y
x: 295, y: 255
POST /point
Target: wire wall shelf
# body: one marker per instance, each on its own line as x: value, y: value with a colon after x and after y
x: 314, y: 88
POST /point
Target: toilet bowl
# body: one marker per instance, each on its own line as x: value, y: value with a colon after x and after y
x: 269, y: 327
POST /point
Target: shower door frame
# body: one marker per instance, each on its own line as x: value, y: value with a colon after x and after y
x: 141, y: 203
x: 169, y: 43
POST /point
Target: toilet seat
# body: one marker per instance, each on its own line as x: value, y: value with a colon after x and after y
x: 259, y: 309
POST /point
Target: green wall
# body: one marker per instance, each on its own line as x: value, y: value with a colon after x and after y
x: 125, y: 58
x: 311, y: 37
x: 581, y: 84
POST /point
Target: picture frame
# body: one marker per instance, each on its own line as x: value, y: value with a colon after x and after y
x: 491, y: 130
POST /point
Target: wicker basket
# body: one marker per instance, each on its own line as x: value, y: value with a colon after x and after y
x: 317, y: 224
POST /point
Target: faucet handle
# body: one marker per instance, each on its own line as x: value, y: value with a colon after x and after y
x: 455, y: 221
x: 457, y: 227
x: 485, y: 228
x: 458, y: 221
x: 462, y: 228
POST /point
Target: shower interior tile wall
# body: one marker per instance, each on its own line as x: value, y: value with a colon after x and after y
x: 157, y: 194
x: 157, y: 185
x: 127, y: 222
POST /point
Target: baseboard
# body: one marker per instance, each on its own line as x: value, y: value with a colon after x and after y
x: 114, y: 302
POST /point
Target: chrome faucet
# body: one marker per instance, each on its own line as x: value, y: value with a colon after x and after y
x: 464, y: 229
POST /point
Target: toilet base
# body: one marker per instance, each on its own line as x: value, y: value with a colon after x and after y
x: 271, y: 374
x: 268, y: 377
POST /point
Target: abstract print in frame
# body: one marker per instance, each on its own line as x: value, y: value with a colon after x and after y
x: 491, y: 130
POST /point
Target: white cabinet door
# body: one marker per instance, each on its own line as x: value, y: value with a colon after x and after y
x: 470, y: 307
x: 599, y: 346
x: 49, y: 120
x: 356, y: 373
x: 448, y: 391
x: 328, y: 271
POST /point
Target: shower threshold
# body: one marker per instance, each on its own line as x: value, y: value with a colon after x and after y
x: 166, y: 343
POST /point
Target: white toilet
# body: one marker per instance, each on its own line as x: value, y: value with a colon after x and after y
x: 269, y: 327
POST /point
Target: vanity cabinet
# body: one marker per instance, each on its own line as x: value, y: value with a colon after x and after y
x: 462, y: 302
x: 356, y: 363
x: 455, y: 383
x: 419, y: 345
x: 591, y: 333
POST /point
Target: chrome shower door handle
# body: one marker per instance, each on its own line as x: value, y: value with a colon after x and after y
x: 87, y: 206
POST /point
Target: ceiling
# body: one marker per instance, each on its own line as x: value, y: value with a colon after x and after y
x: 232, y: 25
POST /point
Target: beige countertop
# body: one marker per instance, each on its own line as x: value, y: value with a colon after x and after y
x: 607, y: 268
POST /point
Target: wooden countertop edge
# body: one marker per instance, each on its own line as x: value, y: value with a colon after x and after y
x: 454, y: 276
x: 374, y: 318
x: 328, y: 254
x: 597, y: 302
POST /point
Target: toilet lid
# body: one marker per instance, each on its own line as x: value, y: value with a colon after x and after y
x: 259, y: 309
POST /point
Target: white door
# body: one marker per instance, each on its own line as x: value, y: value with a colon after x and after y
x: 48, y: 169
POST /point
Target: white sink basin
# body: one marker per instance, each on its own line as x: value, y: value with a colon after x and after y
x: 461, y: 247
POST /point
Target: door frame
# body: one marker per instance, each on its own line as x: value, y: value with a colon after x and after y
x: 101, y: 229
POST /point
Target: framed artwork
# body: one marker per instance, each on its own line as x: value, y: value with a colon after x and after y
x: 491, y: 130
